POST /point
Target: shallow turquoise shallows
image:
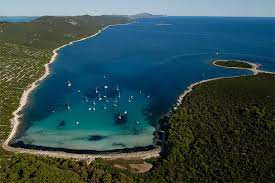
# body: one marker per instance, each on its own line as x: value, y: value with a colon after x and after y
x: 108, y: 92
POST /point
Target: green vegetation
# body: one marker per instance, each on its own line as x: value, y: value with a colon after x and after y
x: 233, y: 63
x: 51, y: 32
x: 26, y: 47
x: 224, y: 131
x: 208, y: 140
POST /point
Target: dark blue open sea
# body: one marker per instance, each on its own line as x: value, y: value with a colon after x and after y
x: 17, y: 19
x: 126, y: 78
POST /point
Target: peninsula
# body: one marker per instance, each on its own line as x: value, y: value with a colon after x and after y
x: 222, y: 129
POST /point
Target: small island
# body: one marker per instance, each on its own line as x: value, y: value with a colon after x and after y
x: 221, y: 131
x: 233, y: 63
x: 237, y: 64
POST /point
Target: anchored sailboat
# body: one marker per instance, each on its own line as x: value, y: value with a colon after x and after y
x: 99, y: 98
x: 68, y: 107
x: 118, y: 95
x: 94, y: 102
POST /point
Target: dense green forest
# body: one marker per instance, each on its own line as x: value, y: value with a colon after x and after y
x: 233, y: 63
x: 223, y: 131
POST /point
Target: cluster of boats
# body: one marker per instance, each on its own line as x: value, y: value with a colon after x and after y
x: 102, y: 96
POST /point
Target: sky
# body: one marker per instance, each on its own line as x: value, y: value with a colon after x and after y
x: 247, y: 8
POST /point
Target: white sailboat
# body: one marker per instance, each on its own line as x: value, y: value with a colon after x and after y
x: 119, y: 117
x: 99, y: 98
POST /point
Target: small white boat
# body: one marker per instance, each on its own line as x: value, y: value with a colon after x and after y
x: 105, y: 107
x: 117, y: 89
x: 69, y: 84
x: 105, y: 87
x: 86, y: 99
x: 78, y: 91
x: 90, y: 109
x: 114, y: 105
x: 96, y: 90
x: 99, y: 98
x: 148, y: 96
x: 217, y: 53
x: 140, y: 92
x: 129, y: 100
x: 77, y: 123
x: 93, y: 102
x: 93, y: 108
x: 137, y: 122
x: 125, y: 112
x: 118, y: 95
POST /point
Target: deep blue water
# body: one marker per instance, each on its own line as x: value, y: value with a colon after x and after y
x: 152, y: 61
x: 17, y: 19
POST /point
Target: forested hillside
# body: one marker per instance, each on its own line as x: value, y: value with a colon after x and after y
x: 223, y: 131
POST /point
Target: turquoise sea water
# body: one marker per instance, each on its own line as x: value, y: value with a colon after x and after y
x: 150, y: 63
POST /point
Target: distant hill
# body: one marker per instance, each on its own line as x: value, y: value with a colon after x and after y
x: 53, y: 31
x: 144, y: 15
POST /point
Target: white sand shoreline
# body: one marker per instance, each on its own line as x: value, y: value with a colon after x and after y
x: 15, y: 121
x: 90, y: 157
x: 255, y: 69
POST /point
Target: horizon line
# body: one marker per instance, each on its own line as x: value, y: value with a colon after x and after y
x: 225, y: 16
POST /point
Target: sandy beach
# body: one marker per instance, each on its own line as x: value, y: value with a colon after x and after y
x: 15, y: 121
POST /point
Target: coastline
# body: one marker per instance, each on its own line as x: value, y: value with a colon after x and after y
x: 143, y: 154
x: 15, y: 121
x: 255, y: 69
